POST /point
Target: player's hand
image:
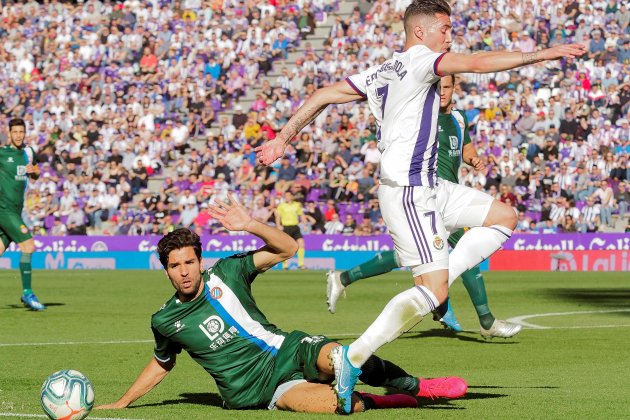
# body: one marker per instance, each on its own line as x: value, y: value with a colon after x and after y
x: 478, y: 164
x: 562, y: 51
x: 32, y: 169
x: 232, y: 215
x: 270, y: 151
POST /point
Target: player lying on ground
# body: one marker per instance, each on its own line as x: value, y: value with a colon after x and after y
x: 16, y: 167
x: 454, y: 146
x: 417, y: 208
x: 213, y: 316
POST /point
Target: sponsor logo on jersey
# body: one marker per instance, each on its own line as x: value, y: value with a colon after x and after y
x: 23, y: 229
x: 179, y: 326
x: 10, y: 160
x: 214, y: 328
x: 216, y: 293
x: 438, y: 243
x: 21, y: 173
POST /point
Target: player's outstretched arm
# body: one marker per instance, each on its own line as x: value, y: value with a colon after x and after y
x: 152, y: 375
x: 338, y: 93
x: 278, y: 245
x: 488, y: 62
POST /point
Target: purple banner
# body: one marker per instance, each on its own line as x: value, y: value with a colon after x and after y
x: 240, y: 243
x: 569, y: 242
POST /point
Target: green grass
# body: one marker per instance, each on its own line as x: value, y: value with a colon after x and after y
x: 577, y: 369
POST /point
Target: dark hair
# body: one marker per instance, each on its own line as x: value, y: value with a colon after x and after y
x: 178, y: 239
x: 16, y: 122
x: 426, y: 8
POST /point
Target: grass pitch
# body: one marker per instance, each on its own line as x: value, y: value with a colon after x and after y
x: 574, y: 364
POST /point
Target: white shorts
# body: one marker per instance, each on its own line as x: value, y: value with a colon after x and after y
x: 282, y: 388
x: 420, y: 220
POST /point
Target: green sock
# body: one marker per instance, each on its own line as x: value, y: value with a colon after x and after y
x: 26, y: 270
x: 473, y: 281
x: 384, y: 262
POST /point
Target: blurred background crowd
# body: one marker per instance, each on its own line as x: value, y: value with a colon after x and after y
x: 143, y: 112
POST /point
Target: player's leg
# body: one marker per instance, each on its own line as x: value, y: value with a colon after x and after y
x: 300, y: 251
x: 492, y: 223
x: 489, y: 325
x: 336, y: 281
x: 15, y: 230
x: 293, y: 232
x: 378, y: 372
x: 420, y: 239
x: 481, y: 242
x: 26, y: 269
x: 382, y: 373
x: 382, y: 263
x: 309, y: 397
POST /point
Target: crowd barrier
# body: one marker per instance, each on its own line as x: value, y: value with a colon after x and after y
x: 523, y: 252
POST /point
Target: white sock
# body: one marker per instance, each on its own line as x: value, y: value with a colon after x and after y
x: 402, y: 312
x: 474, y: 247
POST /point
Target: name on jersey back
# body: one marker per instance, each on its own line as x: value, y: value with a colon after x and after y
x: 396, y: 66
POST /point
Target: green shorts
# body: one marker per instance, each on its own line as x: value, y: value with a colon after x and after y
x: 297, y: 359
x: 13, y: 229
x: 455, y: 237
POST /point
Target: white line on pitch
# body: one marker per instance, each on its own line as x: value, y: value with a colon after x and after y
x: 73, y: 343
x: 521, y: 319
x: 44, y: 416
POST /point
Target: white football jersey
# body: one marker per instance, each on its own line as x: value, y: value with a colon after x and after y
x: 403, y: 94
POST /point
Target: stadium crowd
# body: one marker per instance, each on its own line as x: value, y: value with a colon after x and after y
x: 117, y: 93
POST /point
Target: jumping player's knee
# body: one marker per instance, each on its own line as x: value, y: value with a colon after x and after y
x: 501, y: 214
x: 436, y: 281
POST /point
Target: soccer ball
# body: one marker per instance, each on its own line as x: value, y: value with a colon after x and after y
x: 67, y: 395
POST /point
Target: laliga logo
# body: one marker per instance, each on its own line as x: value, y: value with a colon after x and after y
x: 212, y: 327
x: 99, y: 246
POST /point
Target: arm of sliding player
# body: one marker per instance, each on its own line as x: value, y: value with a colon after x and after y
x: 152, y: 375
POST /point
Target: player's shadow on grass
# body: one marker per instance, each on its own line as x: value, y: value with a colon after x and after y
x: 199, y: 398
x: 511, y: 387
x: 445, y: 404
x: 21, y: 306
x: 600, y: 298
x: 469, y: 336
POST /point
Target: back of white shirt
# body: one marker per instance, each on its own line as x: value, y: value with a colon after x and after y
x: 403, y: 94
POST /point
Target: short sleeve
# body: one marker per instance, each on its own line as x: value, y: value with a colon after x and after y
x: 425, y: 65
x: 358, y: 83
x: 164, y: 348
x: 238, y: 266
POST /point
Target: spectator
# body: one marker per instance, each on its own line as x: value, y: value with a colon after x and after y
x: 589, y: 220
x: 333, y: 226
x: 76, y: 221
x: 315, y: 217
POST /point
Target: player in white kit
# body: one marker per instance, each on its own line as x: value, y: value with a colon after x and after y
x: 403, y: 95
